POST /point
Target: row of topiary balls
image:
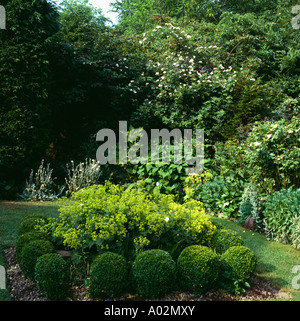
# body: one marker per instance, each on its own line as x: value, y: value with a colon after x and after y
x: 153, y: 274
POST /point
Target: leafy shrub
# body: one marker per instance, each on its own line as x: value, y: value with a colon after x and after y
x: 159, y: 169
x: 217, y: 223
x: 224, y: 239
x: 31, y: 252
x: 40, y: 185
x: 218, y: 194
x: 154, y: 272
x: 229, y: 160
x: 83, y: 175
x: 52, y: 276
x: 161, y: 177
x: 198, y: 268
x: 128, y: 221
x: 108, y: 276
x: 28, y: 223
x: 24, y: 239
x: 273, y: 154
x: 281, y: 212
x: 191, y: 85
x: 238, y: 264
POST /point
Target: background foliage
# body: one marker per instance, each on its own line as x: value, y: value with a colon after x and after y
x: 230, y: 67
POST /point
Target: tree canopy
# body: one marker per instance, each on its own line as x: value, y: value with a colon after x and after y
x: 66, y: 74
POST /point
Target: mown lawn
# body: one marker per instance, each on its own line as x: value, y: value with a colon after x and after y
x: 10, y: 215
x: 276, y: 260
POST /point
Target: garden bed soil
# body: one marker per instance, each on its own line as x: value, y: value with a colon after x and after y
x: 23, y: 289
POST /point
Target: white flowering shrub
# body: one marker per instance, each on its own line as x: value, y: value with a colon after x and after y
x: 196, y: 83
x: 272, y: 153
x: 84, y: 174
x: 193, y: 86
x: 192, y: 90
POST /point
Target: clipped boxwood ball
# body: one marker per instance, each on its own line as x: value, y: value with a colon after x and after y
x: 238, y: 264
x: 154, y: 272
x: 26, y: 238
x: 36, y: 216
x: 108, y: 276
x: 52, y: 276
x: 29, y: 222
x: 223, y: 239
x: 31, y: 252
x: 198, y: 268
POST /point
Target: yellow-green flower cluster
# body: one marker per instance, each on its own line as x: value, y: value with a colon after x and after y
x: 109, y: 216
x: 192, y: 181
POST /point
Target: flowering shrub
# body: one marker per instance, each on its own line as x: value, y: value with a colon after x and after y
x: 83, y: 175
x: 273, y: 153
x: 108, y: 217
x: 193, y: 91
x: 195, y: 84
x: 40, y: 185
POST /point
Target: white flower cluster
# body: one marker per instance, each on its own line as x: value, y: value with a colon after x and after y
x: 185, y: 68
x: 186, y: 71
x: 181, y: 65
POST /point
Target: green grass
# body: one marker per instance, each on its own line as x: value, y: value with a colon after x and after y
x: 275, y: 260
x: 10, y: 216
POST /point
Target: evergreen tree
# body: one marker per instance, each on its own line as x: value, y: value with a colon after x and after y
x: 24, y: 85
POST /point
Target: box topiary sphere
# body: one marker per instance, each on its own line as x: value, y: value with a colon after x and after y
x: 223, y: 239
x: 198, y: 268
x: 108, y: 276
x: 31, y: 252
x: 52, y: 276
x: 36, y: 216
x: 29, y: 222
x: 26, y: 238
x: 154, y: 272
x: 238, y: 264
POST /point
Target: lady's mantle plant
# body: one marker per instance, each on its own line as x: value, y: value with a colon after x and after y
x: 108, y: 217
